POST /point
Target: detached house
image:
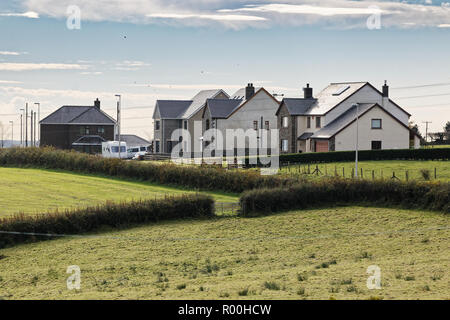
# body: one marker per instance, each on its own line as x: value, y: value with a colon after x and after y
x: 170, y: 115
x: 249, y: 108
x: 82, y: 128
x: 327, y: 122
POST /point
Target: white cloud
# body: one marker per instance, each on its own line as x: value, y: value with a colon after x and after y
x: 28, y: 14
x: 39, y: 66
x: 9, y: 53
x: 9, y: 82
x: 444, y: 25
x: 216, y: 17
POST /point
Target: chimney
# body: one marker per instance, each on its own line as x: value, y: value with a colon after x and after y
x: 97, y: 103
x: 249, y: 91
x: 308, y: 92
x: 385, y: 90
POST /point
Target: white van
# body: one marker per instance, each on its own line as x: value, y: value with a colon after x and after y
x: 110, y: 149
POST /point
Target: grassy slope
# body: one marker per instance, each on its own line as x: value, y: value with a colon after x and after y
x: 384, y: 167
x: 156, y: 261
x: 33, y: 190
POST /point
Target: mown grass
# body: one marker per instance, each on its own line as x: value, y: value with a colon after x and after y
x: 381, y: 169
x: 272, y: 257
x: 36, y: 190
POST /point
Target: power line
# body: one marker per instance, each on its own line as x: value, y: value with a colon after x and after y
x: 423, y: 86
x: 425, y: 96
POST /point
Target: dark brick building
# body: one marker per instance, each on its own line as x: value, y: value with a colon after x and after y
x: 82, y: 128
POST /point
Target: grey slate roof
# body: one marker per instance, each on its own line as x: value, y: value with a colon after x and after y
x: 306, y: 136
x: 200, y: 100
x: 297, y: 107
x: 78, y: 115
x: 172, y: 109
x: 240, y: 94
x: 327, y: 98
x: 222, y: 108
x: 340, y: 122
x: 91, y: 140
x: 133, y: 140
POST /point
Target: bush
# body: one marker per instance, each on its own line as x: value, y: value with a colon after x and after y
x: 366, y: 155
x: 187, y: 176
x: 421, y: 195
x: 119, y: 215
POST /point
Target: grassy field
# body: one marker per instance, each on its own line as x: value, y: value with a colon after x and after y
x: 36, y: 191
x: 381, y: 169
x: 312, y: 254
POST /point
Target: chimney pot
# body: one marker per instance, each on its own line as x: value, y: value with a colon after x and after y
x: 385, y: 90
x: 308, y: 92
x: 249, y: 91
x: 97, y: 103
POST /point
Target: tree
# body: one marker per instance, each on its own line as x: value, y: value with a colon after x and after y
x: 415, y: 128
x: 447, y: 130
x: 1, y: 135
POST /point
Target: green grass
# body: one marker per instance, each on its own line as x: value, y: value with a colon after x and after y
x: 37, y: 191
x: 238, y: 258
x: 382, y: 169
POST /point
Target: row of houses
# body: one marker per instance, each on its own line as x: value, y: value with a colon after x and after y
x: 313, y: 123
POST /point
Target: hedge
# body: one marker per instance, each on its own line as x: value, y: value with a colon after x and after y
x: 77, y: 221
x: 428, y: 196
x: 341, y: 156
x: 206, y: 178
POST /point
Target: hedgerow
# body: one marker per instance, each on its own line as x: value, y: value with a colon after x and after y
x: 366, y: 155
x: 206, y: 178
x: 419, y: 195
x: 115, y: 215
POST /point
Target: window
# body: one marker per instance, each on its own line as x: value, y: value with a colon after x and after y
x: 285, y: 122
x: 376, y: 145
x: 123, y: 149
x: 86, y: 130
x: 143, y: 149
x: 341, y: 90
x: 284, y: 145
x: 376, y: 123
x: 255, y: 125
x: 207, y: 124
x: 185, y: 125
x: 317, y: 122
x: 308, y: 122
x: 267, y: 125
x: 100, y: 130
x: 157, y: 143
x: 157, y: 125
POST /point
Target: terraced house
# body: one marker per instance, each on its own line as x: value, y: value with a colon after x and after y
x: 327, y: 122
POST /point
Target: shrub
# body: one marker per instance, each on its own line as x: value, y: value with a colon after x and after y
x: 423, y: 195
x: 425, y: 173
x: 112, y: 215
x: 271, y: 285
x: 207, y: 178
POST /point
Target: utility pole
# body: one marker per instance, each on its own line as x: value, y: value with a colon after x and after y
x: 12, y: 133
x: 38, y: 120
x: 357, y: 144
x: 426, y: 129
x: 26, y: 125
x: 119, y: 105
x: 34, y: 133
x: 31, y: 128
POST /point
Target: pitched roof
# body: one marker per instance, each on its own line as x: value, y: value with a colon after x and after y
x: 306, y: 136
x: 240, y: 94
x: 222, y: 108
x: 90, y: 140
x: 297, y: 107
x: 172, y: 109
x: 132, y: 140
x: 78, y: 115
x: 333, y: 95
x: 200, y: 100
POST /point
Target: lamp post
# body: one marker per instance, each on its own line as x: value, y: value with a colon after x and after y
x: 12, y: 133
x: 21, y: 127
x: 356, y: 105
x: 119, y: 105
x: 38, y: 120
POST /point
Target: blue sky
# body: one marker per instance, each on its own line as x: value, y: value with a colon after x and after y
x: 148, y: 50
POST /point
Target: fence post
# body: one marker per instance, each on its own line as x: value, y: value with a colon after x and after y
x: 407, y: 176
x: 373, y: 174
x: 435, y: 173
x: 343, y: 172
x: 309, y: 169
x: 353, y: 173
x: 362, y: 173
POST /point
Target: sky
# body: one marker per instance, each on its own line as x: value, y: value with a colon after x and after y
x: 148, y: 50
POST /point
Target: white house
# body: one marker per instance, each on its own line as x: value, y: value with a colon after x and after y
x: 327, y: 122
x: 249, y: 108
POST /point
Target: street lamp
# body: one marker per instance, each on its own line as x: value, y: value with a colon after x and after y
x: 12, y: 133
x: 356, y: 105
x: 119, y: 105
x: 21, y: 126
x: 38, y: 119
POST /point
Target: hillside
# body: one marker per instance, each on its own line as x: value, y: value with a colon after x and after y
x: 311, y: 254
